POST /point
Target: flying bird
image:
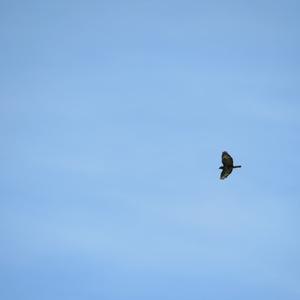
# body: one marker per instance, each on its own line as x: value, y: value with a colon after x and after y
x: 227, y: 167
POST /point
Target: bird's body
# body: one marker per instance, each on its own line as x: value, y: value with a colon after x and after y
x: 228, y: 166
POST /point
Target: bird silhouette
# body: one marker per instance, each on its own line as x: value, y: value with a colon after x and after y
x: 228, y: 166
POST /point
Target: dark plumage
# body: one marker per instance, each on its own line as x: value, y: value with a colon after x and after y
x: 227, y: 167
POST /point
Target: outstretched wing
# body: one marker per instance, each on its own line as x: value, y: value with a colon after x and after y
x: 227, y: 160
x: 225, y: 173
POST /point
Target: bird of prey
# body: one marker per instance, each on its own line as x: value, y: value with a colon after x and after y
x: 227, y: 167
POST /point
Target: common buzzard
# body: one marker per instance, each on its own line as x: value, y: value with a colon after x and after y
x: 227, y: 167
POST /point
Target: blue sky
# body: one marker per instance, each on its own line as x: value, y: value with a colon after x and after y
x: 114, y: 115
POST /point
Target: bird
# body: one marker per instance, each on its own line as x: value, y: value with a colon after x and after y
x: 228, y: 166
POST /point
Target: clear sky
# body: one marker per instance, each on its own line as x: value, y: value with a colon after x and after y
x: 113, y: 118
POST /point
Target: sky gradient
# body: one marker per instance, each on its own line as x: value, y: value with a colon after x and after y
x: 114, y: 115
